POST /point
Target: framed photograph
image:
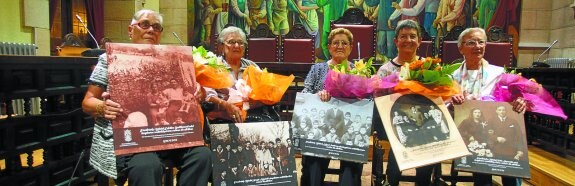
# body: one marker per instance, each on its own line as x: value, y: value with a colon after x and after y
x: 253, y: 154
x: 156, y: 88
x: 337, y: 129
x: 420, y: 130
x: 495, y: 135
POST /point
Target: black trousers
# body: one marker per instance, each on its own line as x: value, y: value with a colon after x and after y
x: 423, y: 174
x: 480, y: 179
x: 314, y: 170
x: 143, y: 169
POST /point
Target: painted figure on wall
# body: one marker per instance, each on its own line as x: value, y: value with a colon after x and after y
x: 370, y: 12
x: 507, y: 17
x: 239, y: 15
x: 311, y: 21
x: 485, y: 11
x: 430, y: 7
x: 385, y: 28
x: 258, y: 12
x: 332, y: 10
x: 208, y: 14
x: 407, y: 9
x: 278, y: 18
x: 449, y: 15
x: 216, y: 18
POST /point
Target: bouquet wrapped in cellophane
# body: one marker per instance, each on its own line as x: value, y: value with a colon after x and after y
x: 210, y: 70
x: 267, y: 87
x: 357, y: 82
x: 428, y: 77
x: 511, y: 86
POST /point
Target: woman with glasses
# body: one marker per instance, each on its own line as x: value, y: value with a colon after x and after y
x: 314, y: 168
x: 145, y: 168
x: 232, y: 43
x: 407, y: 39
x: 477, y: 79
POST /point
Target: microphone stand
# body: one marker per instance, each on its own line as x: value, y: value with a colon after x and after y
x: 86, y: 26
x: 538, y: 63
x: 177, y: 37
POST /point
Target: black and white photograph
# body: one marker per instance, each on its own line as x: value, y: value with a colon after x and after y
x: 495, y: 135
x: 420, y: 129
x: 253, y: 154
x: 338, y: 129
x: 156, y: 87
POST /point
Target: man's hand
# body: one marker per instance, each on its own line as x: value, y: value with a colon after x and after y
x: 389, y: 24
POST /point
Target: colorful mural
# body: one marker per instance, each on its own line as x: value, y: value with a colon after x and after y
x: 206, y: 18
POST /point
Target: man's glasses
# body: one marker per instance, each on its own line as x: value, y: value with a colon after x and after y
x: 146, y: 25
x: 234, y: 42
x: 343, y: 44
x: 471, y: 43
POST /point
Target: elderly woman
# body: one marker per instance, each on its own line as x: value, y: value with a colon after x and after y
x: 407, y: 39
x: 146, y: 168
x: 477, y: 79
x: 314, y: 168
x: 232, y: 43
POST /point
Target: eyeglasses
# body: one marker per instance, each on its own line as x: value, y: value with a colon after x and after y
x: 146, y: 25
x: 343, y: 44
x: 471, y: 43
x: 234, y: 42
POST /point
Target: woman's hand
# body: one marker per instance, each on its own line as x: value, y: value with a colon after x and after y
x: 108, y: 108
x: 458, y: 99
x: 519, y: 105
x: 234, y: 112
x: 324, y: 95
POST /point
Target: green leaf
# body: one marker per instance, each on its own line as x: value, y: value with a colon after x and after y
x: 449, y: 69
x: 445, y: 80
x: 426, y: 64
x: 430, y: 76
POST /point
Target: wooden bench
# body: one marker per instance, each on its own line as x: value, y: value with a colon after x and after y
x: 550, y: 169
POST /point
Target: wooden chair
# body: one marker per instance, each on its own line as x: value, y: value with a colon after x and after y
x: 363, y: 31
x: 297, y: 46
x: 262, y: 45
x: 496, y: 53
x: 427, y: 48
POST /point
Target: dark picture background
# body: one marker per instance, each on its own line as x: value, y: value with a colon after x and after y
x: 418, y: 121
x: 483, y: 133
x: 250, y: 153
x: 339, y: 128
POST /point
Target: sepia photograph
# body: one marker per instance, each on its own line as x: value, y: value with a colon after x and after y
x: 495, y: 136
x: 338, y: 129
x: 253, y: 154
x: 420, y: 129
x: 156, y: 88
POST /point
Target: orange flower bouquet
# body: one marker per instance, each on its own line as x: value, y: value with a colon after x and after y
x: 428, y: 77
x: 267, y: 87
x: 210, y: 70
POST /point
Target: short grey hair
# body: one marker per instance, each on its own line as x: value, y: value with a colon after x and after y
x: 469, y: 31
x: 229, y: 30
x: 140, y: 13
x: 408, y: 24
